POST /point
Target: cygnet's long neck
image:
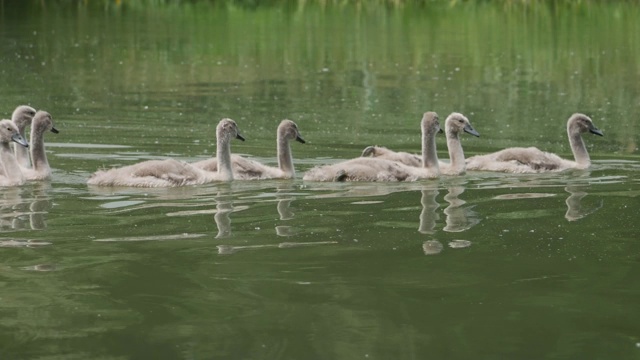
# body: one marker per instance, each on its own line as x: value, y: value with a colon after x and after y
x: 456, y: 155
x: 22, y: 153
x: 11, y: 168
x: 223, y: 154
x: 578, y: 148
x: 429, y: 154
x: 285, y: 160
x: 38, y: 154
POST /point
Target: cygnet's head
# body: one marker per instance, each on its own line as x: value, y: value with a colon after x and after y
x: 581, y: 123
x: 228, y: 129
x: 42, y: 121
x: 456, y: 123
x: 22, y: 116
x: 289, y: 130
x: 430, y: 123
x: 9, y: 132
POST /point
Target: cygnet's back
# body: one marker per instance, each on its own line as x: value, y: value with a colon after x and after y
x: 534, y: 160
x: 382, y: 169
x: 455, y: 124
x: 430, y: 125
x: 170, y: 172
x: 365, y: 169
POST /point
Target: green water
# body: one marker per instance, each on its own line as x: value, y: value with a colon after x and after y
x: 479, y: 266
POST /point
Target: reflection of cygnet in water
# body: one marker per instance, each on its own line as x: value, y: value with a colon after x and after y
x: 575, y: 209
x: 224, y: 207
x: 230, y: 249
x: 284, y: 210
x: 459, y: 218
x: 21, y: 203
x: 428, y: 216
x: 284, y: 230
x: 432, y: 247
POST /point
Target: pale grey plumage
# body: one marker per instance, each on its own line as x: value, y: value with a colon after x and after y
x: 42, y: 123
x: 12, y: 176
x: 247, y: 169
x: 22, y: 116
x: 534, y: 160
x: 170, y: 172
x: 455, y: 124
x: 381, y: 169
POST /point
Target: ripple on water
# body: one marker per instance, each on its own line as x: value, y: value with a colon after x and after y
x: 459, y: 244
x: 528, y: 214
x: 231, y: 249
x: 153, y: 238
x: 120, y: 204
x: 22, y: 243
x: 87, y: 146
x: 40, y: 267
x: 522, y: 196
x: 102, y: 198
x: 207, y: 211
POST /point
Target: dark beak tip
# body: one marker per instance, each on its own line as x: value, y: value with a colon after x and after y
x: 473, y: 132
x: 240, y: 137
x: 54, y: 130
x: 300, y: 140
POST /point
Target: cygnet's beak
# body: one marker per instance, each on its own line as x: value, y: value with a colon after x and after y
x: 440, y: 131
x: 19, y: 139
x: 239, y: 137
x: 470, y: 130
x: 300, y: 139
x: 595, y: 130
x: 54, y: 130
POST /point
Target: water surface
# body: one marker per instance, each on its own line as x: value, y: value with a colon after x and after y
x: 483, y: 265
